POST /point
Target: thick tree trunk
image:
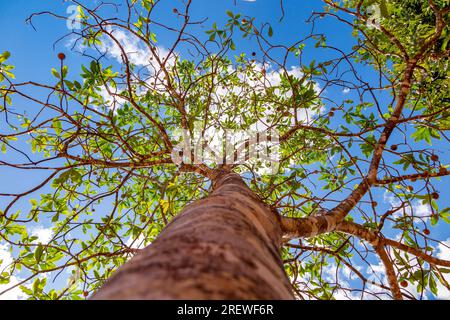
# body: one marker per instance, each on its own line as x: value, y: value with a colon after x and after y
x: 225, y: 246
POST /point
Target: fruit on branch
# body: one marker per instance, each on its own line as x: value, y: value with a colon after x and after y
x: 404, y: 283
x: 394, y: 147
x: 434, y: 157
x: 435, y: 195
x: 426, y: 231
x: 61, y: 56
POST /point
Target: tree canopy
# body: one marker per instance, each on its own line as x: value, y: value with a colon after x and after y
x: 362, y: 133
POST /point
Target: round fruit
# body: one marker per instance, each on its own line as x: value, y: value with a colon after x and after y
x: 374, y: 204
x: 175, y: 10
x: 435, y: 195
x: 410, y: 188
x: 394, y: 147
x: 85, y: 294
x: 244, y: 21
x: 426, y: 231
x: 253, y: 54
x: 434, y: 157
x: 442, y: 170
x: 61, y: 56
x: 404, y: 283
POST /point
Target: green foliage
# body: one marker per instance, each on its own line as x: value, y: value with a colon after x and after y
x: 106, y: 131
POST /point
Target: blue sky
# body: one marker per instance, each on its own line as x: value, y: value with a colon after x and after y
x: 34, y: 53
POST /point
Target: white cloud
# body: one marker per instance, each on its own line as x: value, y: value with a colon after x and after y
x: 137, y: 52
x: 222, y: 107
x: 444, y: 250
x: 111, y: 100
x: 420, y: 211
x: 444, y: 253
x: 391, y: 199
x: 376, y: 273
x: 346, y: 90
x: 6, y: 261
x: 44, y: 235
x: 5, y: 256
x: 256, y: 78
x: 255, y: 84
x: 341, y: 275
x: 137, y: 243
x: 75, y: 275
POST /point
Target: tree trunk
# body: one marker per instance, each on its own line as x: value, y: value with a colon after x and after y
x: 225, y: 246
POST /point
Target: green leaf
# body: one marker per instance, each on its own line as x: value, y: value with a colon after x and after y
x: 56, y: 73
x: 56, y: 125
x: 38, y: 252
x: 36, y: 286
x: 4, y: 56
x: 432, y: 284
x: 232, y: 45
x: 65, y: 69
x: 153, y: 37
x: 26, y: 290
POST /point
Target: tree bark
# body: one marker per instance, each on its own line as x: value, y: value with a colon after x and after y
x: 225, y: 246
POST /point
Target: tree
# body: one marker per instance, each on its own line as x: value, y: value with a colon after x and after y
x: 236, y: 171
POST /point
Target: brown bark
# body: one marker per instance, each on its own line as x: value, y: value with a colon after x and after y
x: 390, y: 271
x: 225, y: 246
